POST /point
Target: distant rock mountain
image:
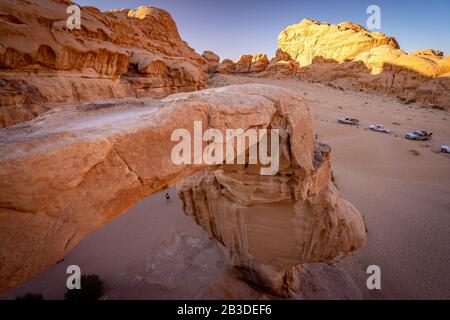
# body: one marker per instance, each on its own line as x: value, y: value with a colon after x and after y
x: 119, y: 53
x: 348, y: 56
x: 342, y: 42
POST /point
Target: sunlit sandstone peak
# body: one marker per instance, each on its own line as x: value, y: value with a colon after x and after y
x: 341, y: 42
x: 349, y: 57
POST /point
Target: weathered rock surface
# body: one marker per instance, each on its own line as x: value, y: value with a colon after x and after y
x: 71, y: 170
x: 115, y: 54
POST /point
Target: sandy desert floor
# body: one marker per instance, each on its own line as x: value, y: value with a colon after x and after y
x: 401, y: 187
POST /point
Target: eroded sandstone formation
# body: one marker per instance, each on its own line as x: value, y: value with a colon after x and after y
x: 281, y: 64
x: 115, y: 54
x: 73, y: 169
x: 246, y: 63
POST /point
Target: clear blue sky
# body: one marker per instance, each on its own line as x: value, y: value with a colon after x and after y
x: 230, y: 27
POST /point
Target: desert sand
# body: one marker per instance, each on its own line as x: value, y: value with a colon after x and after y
x: 155, y: 251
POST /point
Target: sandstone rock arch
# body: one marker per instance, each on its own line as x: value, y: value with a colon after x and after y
x: 69, y: 171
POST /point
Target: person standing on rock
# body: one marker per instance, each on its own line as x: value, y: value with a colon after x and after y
x: 168, y: 198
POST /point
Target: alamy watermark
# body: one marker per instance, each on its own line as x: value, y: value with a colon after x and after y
x: 229, y: 148
x: 374, y: 20
x: 74, y: 280
x: 374, y: 280
x: 74, y: 20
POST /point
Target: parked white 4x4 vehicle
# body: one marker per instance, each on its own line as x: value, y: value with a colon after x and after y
x: 418, y: 135
x: 348, y: 120
x: 379, y: 128
x: 445, y: 149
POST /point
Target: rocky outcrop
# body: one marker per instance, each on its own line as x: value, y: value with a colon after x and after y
x: 121, y: 53
x: 259, y: 63
x: 246, y: 63
x: 213, y: 60
x: 348, y: 56
x: 428, y: 52
x: 281, y: 64
x: 341, y: 42
x: 243, y: 64
x: 71, y: 170
x: 226, y: 67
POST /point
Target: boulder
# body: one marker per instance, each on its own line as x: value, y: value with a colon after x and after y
x: 213, y: 60
x: 226, y: 67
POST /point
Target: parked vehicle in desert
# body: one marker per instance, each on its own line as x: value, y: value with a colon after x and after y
x: 445, y: 149
x: 348, y: 120
x: 418, y: 135
x: 379, y: 128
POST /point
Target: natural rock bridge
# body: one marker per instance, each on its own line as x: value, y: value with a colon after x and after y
x: 69, y: 171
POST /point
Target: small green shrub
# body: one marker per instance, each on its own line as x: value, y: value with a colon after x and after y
x: 91, y: 289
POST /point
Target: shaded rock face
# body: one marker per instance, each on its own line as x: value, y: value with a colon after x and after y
x: 226, y: 67
x: 213, y: 60
x: 122, y: 53
x: 71, y: 170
